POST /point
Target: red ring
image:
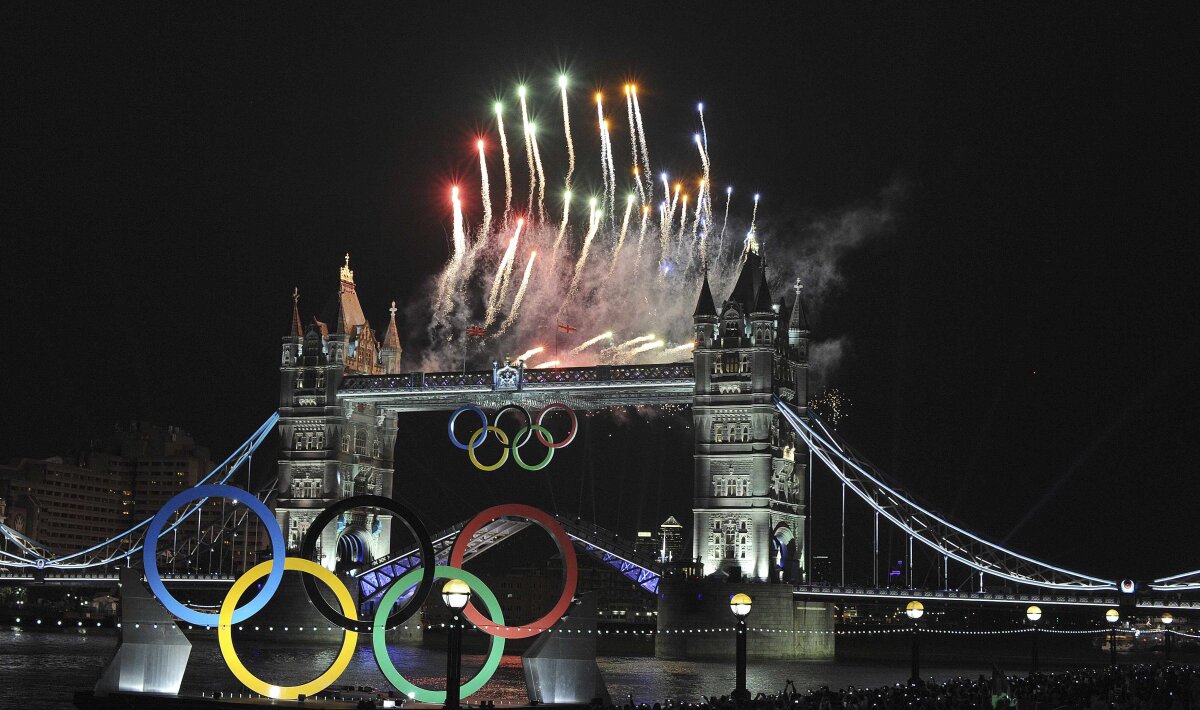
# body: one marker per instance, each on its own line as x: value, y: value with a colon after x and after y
x: 565, y: 548
x: 574, y: 425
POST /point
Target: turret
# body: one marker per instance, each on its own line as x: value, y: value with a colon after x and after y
x: 391, y: 351
x: 762, y: 315
x: 295, y: 336
x: 705, y: 316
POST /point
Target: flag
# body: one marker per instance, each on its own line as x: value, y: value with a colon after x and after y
x: 567, y: 328
x: 476, y: 331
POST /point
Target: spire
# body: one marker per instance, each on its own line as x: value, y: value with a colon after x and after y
x: 705, y: 305
x: 296, y: 329
x: 346, y: 274
x: 763, y: 303
x: 391, y: 339
x: 799, y: 318
x: 743, y: 290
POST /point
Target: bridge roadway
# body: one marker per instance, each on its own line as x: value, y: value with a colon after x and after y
x: 581, y: 388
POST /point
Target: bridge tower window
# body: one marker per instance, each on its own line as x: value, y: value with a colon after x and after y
x: 360, y: 442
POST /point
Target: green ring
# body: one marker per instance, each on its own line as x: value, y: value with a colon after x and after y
x: 379, y: 631
x: 516, y: 450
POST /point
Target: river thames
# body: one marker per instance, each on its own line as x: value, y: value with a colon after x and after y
x: 41, y: 670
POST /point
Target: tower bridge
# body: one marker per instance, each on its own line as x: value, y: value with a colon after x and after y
x: 342, y: 391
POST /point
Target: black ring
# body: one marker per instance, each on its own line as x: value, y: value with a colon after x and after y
x: 523, y: 411
x: 411, y: 521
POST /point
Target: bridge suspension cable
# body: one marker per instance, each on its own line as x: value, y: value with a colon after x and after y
x: 129, y: 542
x: 932, y: 530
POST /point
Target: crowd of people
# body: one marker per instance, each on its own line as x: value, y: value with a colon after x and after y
x: 1127, y: 687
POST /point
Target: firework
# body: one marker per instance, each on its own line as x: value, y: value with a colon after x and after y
x: 594, y: 222
x: 541, y: 174
x: 831, y: 405
x: 501, y: 279
x: 646, y: 346
x: 529, y: 353
x: 634, y: 341
x: 562, y: 228
x: 508, y: 186
x: 681, y: 348
x: 485, y: 193
x: 528, y: 148
x: 641, y: 137
x: 620, y: 238
x: 562, y: 86
x: 592, y: 341
x: 516, y: 306
x: 544, y: 365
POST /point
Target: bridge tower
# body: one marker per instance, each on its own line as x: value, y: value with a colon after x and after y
x: 330, y: 449
x: 749, y: 510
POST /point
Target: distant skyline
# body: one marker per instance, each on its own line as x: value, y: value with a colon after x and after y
x: 1019, y: 343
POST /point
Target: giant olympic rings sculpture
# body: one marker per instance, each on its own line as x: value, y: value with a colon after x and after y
x: 524, y: 434
x: 421, y: 578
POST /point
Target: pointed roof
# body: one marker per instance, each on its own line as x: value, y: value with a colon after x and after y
x: 670, y: 522
x: 705, y: 306
x: 296, y: 329
x: 744, y: 290
x: 763, y: 303
x: 391, y: 339
x: 799, y: 316
x: 350, y: 312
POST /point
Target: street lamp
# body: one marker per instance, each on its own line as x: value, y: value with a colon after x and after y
x: 740, y: 605
x: 915, y: 610
x: 1034, y: 613
x: 455, y: 595
x: 1167, y: 618
x: 1112, y: 616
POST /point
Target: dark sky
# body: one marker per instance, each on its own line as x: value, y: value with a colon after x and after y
x: 1021, y: 347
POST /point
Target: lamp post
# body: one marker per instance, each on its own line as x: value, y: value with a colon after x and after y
x: 1112, y: 616
x: 455, y: 595
x: 740, y: 604
x: 1167, y: 618
x: 914, y: 611
x: 1034, y: 613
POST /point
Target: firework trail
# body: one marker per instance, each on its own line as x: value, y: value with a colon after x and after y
x: 528, y: 149
x: 529, y: 353
x: 594, y: 226
x: 647, y: 346
x: 516, y: 306
x: 449, y: 277
x: 485, y: 192
x: 704, y: 203
x: 499, y: 281
x: 592, y: 341
x: 537, y: 159
x: 641, y: 134
x: 682, y: 222
x: 544, y: 365
x: 751, y: 238
x: 725, y: 222
x: 611, y: 201
x: 508, y: 187
x: 681, y: 348
x: 633, y: 141
x: 604, y: 147
x: 642, y: 231
x: 640, y: 339
x: 562, y: 228
x: 562, y: 85
x: 620, y: 238
x: 703, y: 130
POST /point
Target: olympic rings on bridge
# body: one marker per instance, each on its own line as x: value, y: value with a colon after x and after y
x: 565, y: 548
x: 379, y: 639
x: 150, y: 560
x: 311, y: 571
x: 313, y: 534
x: 530, y: 428
x: 421, y: 578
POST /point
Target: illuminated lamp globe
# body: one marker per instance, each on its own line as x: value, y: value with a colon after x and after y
x: 1033, y: 613
x: 740, y: 604
x: 1167, y: 618
x: 456, y: 594
x: 1112, y: 615
x: 915, y: 610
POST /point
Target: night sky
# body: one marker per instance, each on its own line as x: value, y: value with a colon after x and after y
x: 1020, y: 344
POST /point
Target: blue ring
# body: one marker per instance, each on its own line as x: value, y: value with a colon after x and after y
x: 454, y: 418
x: 150, y: 560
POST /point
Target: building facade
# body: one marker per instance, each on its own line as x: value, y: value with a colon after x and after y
x: 749, y: 502
x: 331, y: 450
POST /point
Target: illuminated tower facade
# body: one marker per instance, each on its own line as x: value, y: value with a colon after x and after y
x: 749, y: 507
x: 331, y: 450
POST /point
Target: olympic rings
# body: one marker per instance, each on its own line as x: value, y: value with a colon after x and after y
x: 565, y: 548
x: 478, y: 437
x: 150, y: 560
x: 312, y: 570
x: 530, y: 428
x: 516, y: 448
x: 410, y: 520
x: 574, y: 424
x: 379, y: 639
x: 454, y: 418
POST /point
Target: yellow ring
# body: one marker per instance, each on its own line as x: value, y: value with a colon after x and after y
x: 478, y: 435
x: 225, y: 630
